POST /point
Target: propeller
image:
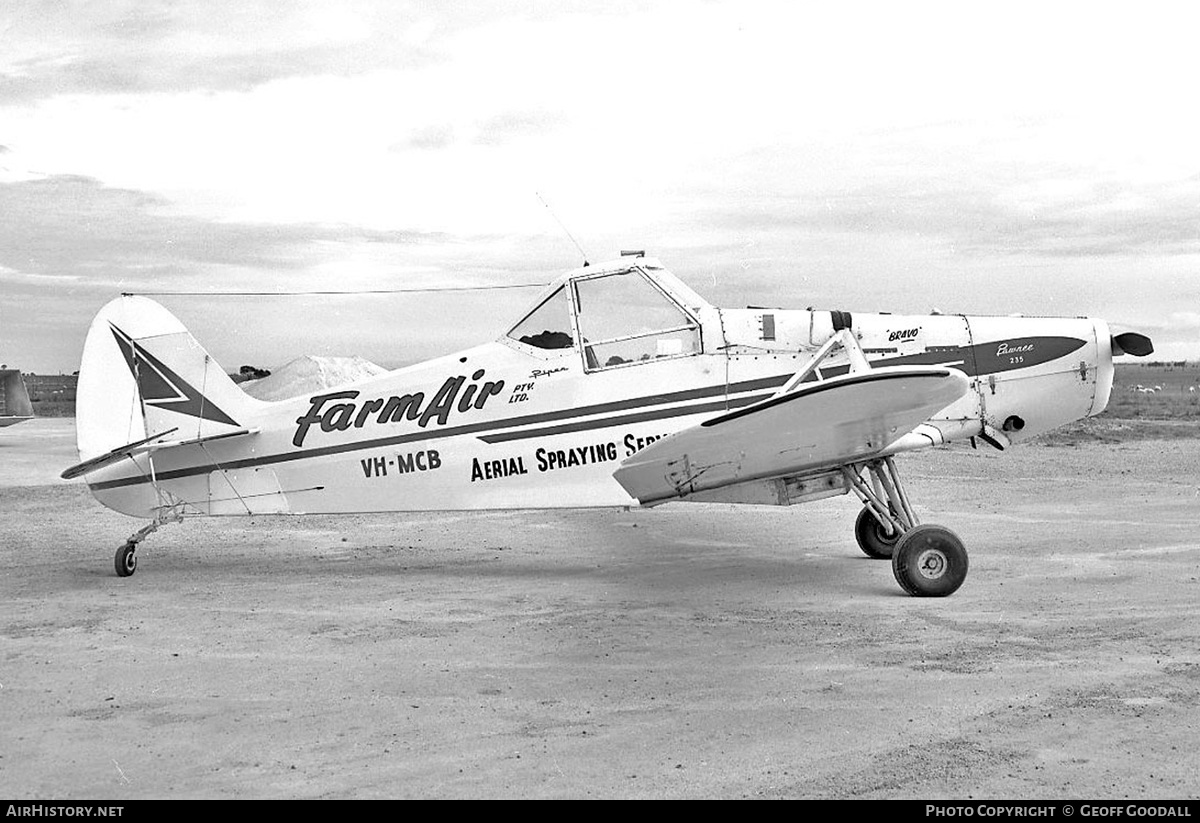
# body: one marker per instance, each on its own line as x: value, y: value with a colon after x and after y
x: 1139, y: 345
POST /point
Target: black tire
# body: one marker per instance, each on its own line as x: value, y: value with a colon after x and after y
x: 929, y: 561
x: 125, y: 560
x: 872, y: 538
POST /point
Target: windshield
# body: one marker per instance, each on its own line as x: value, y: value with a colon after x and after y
x: 623, y: 318
x: 548, y: 326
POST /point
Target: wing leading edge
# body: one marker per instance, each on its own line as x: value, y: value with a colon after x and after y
x: 817, y: 425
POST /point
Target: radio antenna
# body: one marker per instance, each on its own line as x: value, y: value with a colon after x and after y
x: 564, y: 228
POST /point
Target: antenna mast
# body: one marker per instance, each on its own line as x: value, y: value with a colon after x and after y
x: 564, y: 228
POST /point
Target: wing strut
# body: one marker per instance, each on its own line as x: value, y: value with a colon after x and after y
x: 846, y: 340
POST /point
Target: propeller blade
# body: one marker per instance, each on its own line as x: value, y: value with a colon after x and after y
x: 1139, y: 345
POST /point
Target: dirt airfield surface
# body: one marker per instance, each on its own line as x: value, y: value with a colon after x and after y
x: 691, y: 651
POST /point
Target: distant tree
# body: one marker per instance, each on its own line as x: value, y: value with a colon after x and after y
x: 250, y: 373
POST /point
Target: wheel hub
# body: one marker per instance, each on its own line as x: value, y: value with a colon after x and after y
x: 931, y: 564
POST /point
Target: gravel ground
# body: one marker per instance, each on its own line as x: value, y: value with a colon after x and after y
x: 691, y: 651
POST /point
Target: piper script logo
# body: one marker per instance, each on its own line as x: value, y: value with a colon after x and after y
x: 349, y: 412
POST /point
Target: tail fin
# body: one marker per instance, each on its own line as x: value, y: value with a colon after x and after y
x: 142, y: 374
x: 14, y: 398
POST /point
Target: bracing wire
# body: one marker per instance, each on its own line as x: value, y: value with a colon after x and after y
x: 316, y: 293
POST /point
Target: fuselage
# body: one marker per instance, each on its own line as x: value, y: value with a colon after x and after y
x: 544, y: 415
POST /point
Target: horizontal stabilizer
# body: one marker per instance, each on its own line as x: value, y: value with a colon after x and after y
x: 114, y: 456
x: 817, y: 425
x: 150, y: 444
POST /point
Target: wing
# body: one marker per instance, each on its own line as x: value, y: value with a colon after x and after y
x: 825, y: 424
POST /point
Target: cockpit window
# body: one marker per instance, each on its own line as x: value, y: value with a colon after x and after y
x: 623, y: 319
x: 548, y: 326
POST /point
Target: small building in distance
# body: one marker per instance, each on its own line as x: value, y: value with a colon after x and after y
x: 52, y: 395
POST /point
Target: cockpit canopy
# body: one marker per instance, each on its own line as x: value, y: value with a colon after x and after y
x: 620, y: 317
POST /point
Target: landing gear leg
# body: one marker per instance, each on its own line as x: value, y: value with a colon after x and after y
x: 927, y: 560
x: 125, y: 560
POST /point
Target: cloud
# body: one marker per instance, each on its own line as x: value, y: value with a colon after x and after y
x: 1055, y: 217
x: 128, y: 46
x: 1183, y: 320
x: 512, y: 125
x: 74, y: 225
x: 439, y: 136
x: 124, y: 47
x: 69, y: 243
x: 494, y: 131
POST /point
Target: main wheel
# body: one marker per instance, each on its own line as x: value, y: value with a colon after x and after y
x: 125, y: 560
x: 929, y: 561
x: 872, y: 538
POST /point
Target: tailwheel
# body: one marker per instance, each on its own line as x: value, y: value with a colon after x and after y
x: 125, y: 560
x: 872, y: 535
x: 929, y: 561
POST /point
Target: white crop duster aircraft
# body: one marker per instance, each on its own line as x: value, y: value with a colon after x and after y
x: 620, y: 387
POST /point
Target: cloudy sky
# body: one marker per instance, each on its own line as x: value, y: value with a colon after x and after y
x: 1041, y: 158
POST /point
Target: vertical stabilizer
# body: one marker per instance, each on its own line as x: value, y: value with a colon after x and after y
x: 143, y: 374
x: 14, y: 399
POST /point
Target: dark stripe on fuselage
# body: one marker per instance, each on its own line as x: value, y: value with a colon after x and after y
x: 624, y: 420
x: 475, y: 428
x: 982, y: 358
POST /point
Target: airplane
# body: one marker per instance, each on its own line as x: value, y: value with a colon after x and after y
x: 15, y: 406
x: 620, y: 387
